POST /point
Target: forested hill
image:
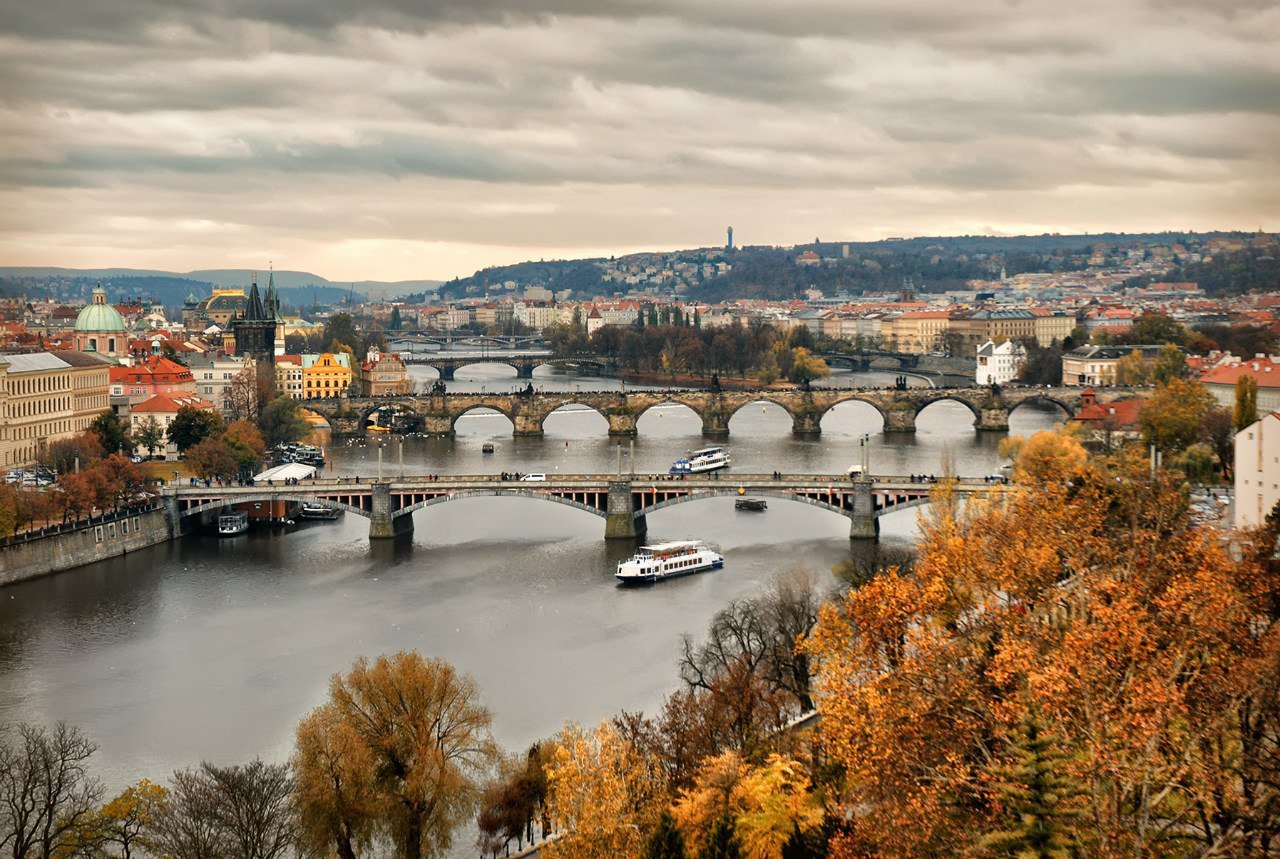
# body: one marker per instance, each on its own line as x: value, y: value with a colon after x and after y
x: 583, y: 276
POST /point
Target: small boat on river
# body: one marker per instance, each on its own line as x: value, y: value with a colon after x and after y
x: 232, y: 522
x: 756, y: 504
x: 667, y: 561
x: 318, y: 511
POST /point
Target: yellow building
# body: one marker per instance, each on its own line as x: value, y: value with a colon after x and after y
x: 383, y: 374
x: 46, y: 397
x: 326, y: 375
x: 916, y: 332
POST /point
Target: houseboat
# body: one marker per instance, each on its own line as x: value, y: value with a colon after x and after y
x: 232, y: 522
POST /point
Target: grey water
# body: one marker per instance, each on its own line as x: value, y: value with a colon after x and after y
x: 214, y: 649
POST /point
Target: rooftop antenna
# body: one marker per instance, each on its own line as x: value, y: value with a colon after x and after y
x: 351, y: 295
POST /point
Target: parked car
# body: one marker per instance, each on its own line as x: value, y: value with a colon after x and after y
x: 14, y: 476
x: 32, y: 480
x: 534, y: 478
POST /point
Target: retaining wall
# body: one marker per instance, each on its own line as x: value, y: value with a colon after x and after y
x: 52, y: 553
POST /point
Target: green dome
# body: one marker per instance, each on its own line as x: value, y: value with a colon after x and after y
x: 98, y: 315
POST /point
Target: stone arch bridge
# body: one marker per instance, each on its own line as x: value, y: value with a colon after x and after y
x: 623, y: 501
x: 524, y: 365
x: 438, y: 414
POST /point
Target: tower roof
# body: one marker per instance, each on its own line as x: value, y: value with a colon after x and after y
x: 98, y: 315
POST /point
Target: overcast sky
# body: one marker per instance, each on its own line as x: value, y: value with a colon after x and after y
x: 401, y: 139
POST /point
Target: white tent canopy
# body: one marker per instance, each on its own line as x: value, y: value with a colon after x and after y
x: 288, y: 471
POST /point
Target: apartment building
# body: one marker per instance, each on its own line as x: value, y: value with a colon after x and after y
x: 48, y: 396
x: 326, y: 375
x: 1257, y: 471
x: 383, y: 374
x: 1096, y: 365
x: 999, y: 363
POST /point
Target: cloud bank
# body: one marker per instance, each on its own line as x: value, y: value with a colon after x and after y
x: 400, y: 139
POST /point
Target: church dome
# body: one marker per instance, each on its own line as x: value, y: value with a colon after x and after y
x: 98, y: 315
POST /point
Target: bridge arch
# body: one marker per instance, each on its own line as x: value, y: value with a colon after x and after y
x: 767, y: 404
x: 482, y: 409
x: 465, y: 363
x: 1068, y: 409
x: 669, y: 402
x: 852, y: 397
x: 945, y: 396
x: 849, y: 408
x: 487, y: 492
x: 566, y: 409
x: 232, y: 500
x: 731, y: 491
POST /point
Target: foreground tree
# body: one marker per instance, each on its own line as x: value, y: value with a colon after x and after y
x: 112, y: 432
x: 408, y: 743
x: 1245, y: 412
x: 46, y: 792
x: 604, y: 794
x: 1145, y: 649
x: 1174, y: 417
x: 190, y: 426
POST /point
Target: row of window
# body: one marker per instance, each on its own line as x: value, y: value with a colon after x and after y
x: 33, y: 408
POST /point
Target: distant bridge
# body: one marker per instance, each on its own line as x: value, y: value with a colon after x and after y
x: 449, y: 339
x: 437, y: 415
x: 523, y: 363
x: 623, y: 501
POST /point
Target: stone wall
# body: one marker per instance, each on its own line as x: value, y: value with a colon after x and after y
x: 50, y: 554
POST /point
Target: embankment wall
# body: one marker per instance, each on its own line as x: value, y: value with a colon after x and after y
x: 29, y: 559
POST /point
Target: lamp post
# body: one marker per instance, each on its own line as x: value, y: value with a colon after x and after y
x: 865, y: 444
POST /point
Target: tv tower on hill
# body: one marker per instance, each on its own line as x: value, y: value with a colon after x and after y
x: 729, y: 244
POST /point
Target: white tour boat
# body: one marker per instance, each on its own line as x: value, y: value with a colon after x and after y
x: 233, y: 522
x: 668, y: 560
x: 706, y: 459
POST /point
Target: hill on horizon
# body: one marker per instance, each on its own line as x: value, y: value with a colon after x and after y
x: 231, y: 277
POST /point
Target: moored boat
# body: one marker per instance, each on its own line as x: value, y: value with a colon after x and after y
x: 667, y: 561
x: 311, y: 510
x: 757, y: 504
x: 709, y: 459
x: 232, y: 522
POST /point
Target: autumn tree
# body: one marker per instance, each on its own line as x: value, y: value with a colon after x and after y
x: 603, y: 794
x: 1049, y: 456
x: 241, y: 399
x: 412, y: 743
x: 213, y: 812
x: 1246, y: 407
x: 805, y: 366
x: 665, y: 842
x: 1139, y: 641
x: 1170, y: 364
x: 65, y: 452
x: 1174, y: 416
x: 10, y: 497
x: 245, y: 443
x: 1132, y: 369
x: 119, y: 827
x: 47, y: 793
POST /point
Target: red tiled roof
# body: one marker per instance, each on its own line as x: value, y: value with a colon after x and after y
x: 1264, y: 370
x: 1121, y: 413
x: 173, y: 402
x: 154, y: 370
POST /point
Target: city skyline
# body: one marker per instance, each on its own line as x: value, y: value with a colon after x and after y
x: 387, y: 144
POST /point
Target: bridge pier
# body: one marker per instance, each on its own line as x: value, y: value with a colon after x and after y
x: 994, y: 419
x: 383, y: 524
x: 446, y: 372
x: 528, y: 426
x: 179, y: 525
x: 524, y: 371
x: 715, y: 424
x: 806, y: 423
x: 620, y: 522
x: 863, y: 524
x: 900, y: 417
x: 437, y: 426
x: 622, y: 425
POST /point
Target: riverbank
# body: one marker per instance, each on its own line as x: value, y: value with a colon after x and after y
x: 83, y: 543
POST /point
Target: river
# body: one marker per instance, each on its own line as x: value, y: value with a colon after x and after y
x: 214, y: 649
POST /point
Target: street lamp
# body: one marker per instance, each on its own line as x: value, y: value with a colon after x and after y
x: 865, y: 444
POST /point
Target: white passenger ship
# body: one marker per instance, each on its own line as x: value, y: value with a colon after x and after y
x: 706, y: 459
x: 668, y: 560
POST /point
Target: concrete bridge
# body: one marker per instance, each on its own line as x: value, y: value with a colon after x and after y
x: 449, y: 339
x: 623, y: 501
x: 863, y: 360
x: 438, y: 414
x: 524, y: 364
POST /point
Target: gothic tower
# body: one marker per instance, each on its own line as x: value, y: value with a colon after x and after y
x: 256, y: 332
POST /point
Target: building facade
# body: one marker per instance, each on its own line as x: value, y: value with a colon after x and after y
x: 48, y: 396
x: 227, y: 381
x: 999, y: 363
x: 100, y: 327
x: 1257, y: 471
x: 383, y: 375
x: 326, y: 375
x: 255, y: 333
x: 1096, y: 365
x: 163, y: 408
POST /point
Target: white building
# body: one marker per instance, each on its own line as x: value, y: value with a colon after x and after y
x: 998, y: 364
x: 215, y: 375
x: 1257, y: 471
